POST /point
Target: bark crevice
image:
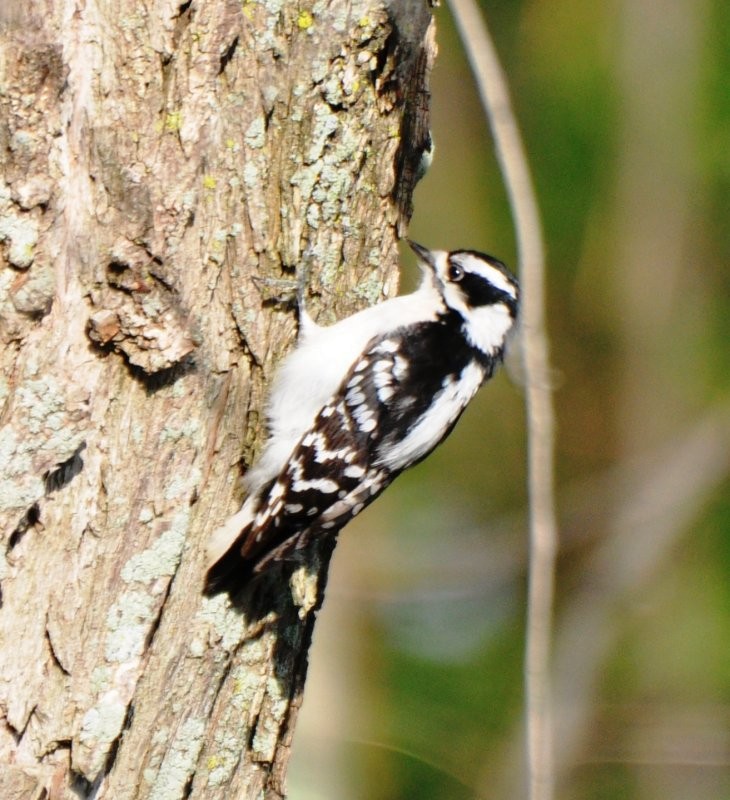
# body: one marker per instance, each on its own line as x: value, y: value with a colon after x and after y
x: 143, y: 193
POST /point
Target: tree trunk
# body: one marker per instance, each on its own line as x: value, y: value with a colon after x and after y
x: 157, y: 157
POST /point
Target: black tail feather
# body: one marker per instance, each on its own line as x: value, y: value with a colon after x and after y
x: 229, y: 574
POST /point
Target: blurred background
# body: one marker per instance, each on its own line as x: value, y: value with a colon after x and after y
x: 416, y: 679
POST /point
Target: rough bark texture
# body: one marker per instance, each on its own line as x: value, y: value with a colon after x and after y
x: 156, y: 157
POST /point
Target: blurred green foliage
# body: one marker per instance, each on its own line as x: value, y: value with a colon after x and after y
x: 625, y: 110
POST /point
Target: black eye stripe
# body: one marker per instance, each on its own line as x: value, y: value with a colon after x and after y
x: 480, y: 292
x: 475, y: 288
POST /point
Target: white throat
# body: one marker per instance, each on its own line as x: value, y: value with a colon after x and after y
x: 487, y: 327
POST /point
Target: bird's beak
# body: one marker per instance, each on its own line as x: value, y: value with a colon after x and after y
x: 424, y: 255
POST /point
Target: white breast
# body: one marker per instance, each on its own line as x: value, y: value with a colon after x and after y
x: 313, y: 372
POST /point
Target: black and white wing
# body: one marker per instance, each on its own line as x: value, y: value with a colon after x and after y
x: 398, y: 401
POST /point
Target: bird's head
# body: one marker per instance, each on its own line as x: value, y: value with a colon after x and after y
x: 477, y: 287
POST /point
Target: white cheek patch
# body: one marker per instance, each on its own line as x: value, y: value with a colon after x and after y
x: 488, y: 327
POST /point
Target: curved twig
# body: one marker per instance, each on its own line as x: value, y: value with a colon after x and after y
x: 494, y: 94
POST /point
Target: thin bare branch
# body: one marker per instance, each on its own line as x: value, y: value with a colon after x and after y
x: 540, y: 417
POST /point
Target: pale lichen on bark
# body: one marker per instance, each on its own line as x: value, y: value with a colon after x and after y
x: 157, y: 158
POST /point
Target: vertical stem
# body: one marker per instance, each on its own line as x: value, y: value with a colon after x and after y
x: 540, y: 416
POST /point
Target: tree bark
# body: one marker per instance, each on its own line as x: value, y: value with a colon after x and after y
x: 156, y: 158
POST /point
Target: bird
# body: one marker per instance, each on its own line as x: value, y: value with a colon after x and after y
x: 358, y: 402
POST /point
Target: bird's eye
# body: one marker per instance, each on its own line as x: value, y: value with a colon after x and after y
x: 456, y: 273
